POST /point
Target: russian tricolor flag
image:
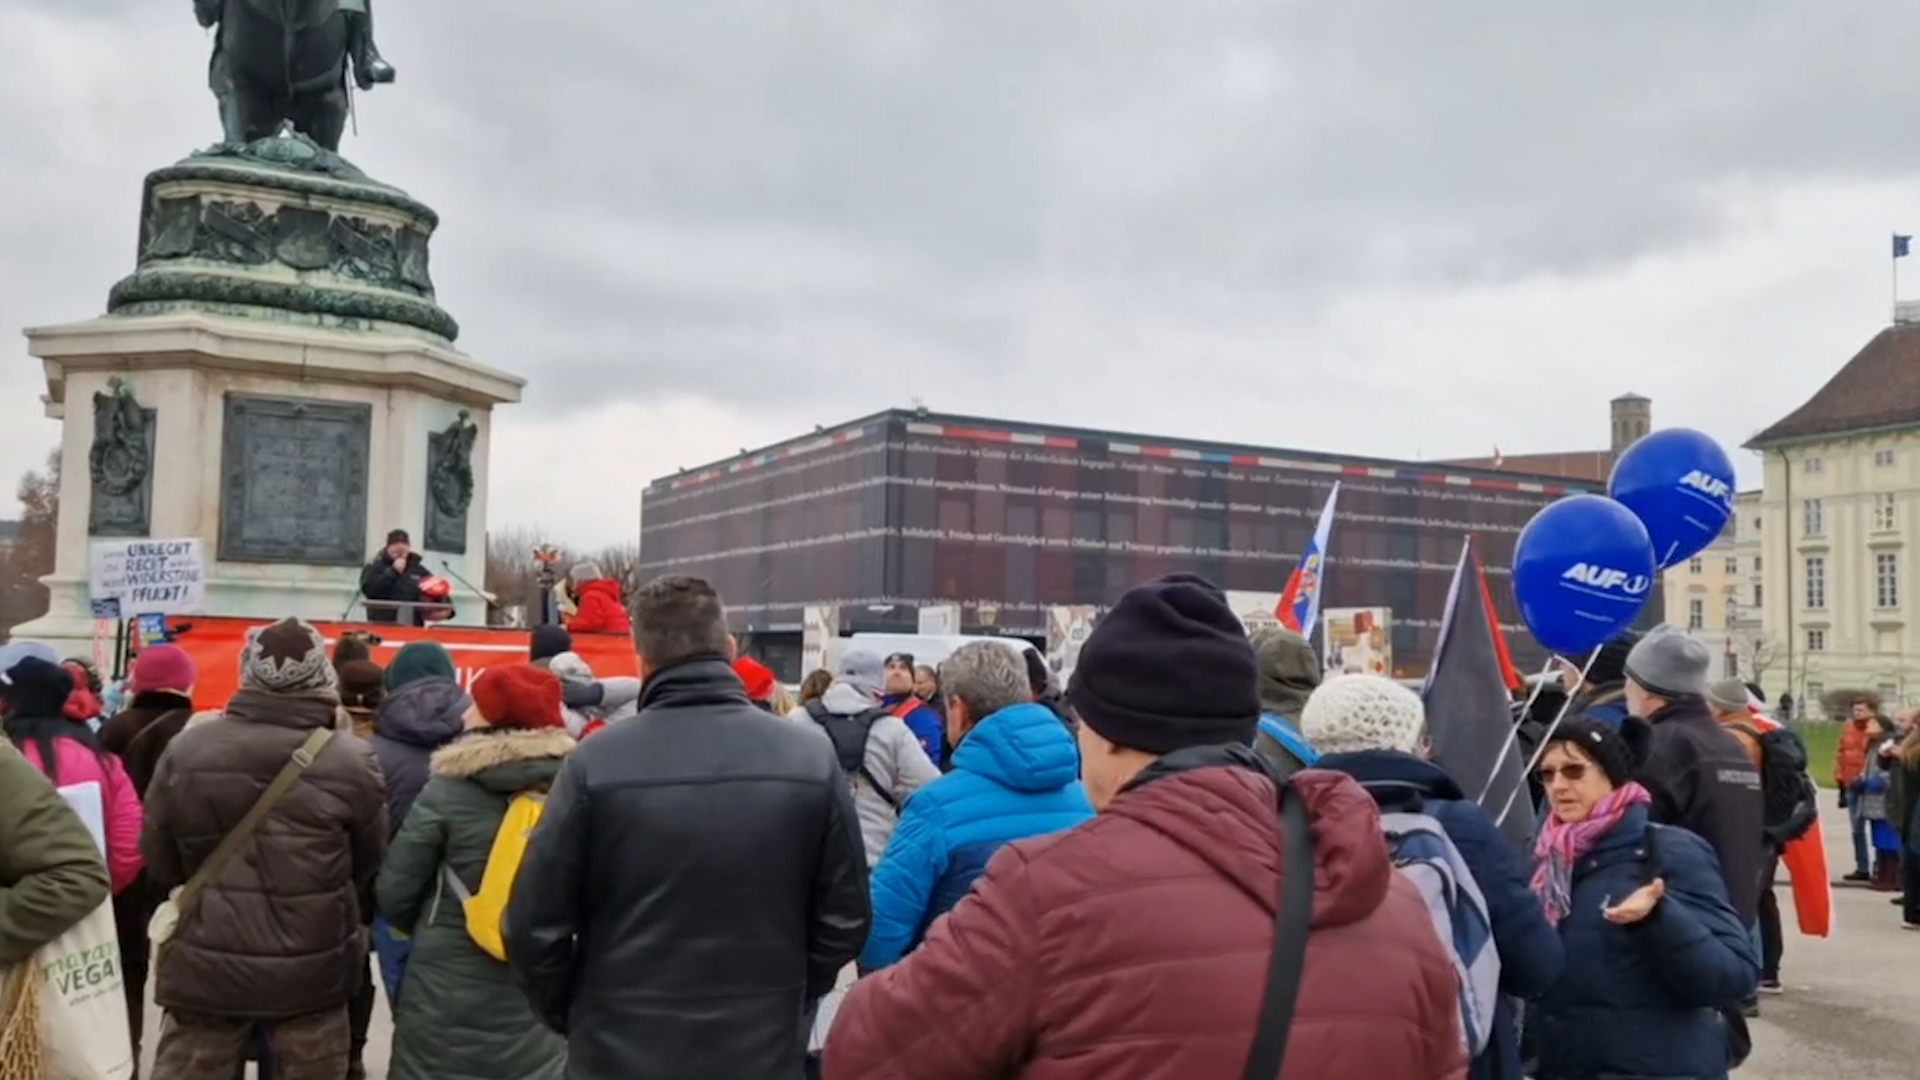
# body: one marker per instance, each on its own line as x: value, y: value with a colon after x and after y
x: 1299, y: 604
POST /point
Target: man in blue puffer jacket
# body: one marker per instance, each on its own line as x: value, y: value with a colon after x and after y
x: 1373, y: 729
x: 1016, y: 774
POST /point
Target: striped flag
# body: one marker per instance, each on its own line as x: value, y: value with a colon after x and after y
x: 1470, y: 706
x: 1299, y: 603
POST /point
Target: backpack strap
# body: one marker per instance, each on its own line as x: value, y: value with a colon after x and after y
x: 1279, y: 730
x: 1292, y: 923
x: 866, y: 720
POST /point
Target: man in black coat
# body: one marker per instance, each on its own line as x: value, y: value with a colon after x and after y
x: 394, y: 576
x: 697, y: 881
x: 1699, y: 775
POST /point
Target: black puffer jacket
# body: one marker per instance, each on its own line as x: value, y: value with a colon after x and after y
x: 1702, y: 780
x: 697, y: 881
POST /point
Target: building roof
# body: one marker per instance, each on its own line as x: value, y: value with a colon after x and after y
x: 1593, y: 466
x: 1878, y: 388
x: 1630, y: 396
x: 1055, y: 435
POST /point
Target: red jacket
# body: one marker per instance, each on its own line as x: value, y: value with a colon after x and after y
x: 601, y: 610
x: 1850, y: 757
x: 1136, y: 946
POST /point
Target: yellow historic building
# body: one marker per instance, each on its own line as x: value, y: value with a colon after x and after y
x: 1836, y: 510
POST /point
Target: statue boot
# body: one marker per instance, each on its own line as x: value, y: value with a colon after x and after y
x: 369, y: 67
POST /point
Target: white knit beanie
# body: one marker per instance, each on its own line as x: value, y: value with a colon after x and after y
x: 1363, y: 712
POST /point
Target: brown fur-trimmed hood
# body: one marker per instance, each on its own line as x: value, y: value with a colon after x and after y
x: 478, y: 751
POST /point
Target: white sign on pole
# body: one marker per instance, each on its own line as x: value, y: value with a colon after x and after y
x: 940, y: 620
x: 149, y: 577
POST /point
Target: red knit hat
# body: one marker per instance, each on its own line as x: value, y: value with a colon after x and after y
x: 518, y: 696
x: 755, y: 676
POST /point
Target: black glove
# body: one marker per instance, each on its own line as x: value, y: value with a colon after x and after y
x: 1843, y: 798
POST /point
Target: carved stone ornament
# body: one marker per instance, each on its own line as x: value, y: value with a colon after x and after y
x: 120, y: 464
x: 450, y: 484
x: 293, y: 480
x: 281, y: 228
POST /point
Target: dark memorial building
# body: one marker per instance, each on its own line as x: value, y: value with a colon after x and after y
x: 882, y: 517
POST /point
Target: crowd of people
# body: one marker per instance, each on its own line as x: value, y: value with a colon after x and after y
x: 1195, y: 855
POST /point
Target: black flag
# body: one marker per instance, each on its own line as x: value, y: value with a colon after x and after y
x: 1470, y: 710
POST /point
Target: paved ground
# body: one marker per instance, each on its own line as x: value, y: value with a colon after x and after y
x: 1851, y: 1010
x: 1852, y: 1006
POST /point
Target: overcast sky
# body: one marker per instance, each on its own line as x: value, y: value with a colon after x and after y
x: 1389, y: 227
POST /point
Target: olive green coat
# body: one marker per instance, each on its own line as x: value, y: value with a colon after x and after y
x: 459, y: 1015
x: 51, y: 872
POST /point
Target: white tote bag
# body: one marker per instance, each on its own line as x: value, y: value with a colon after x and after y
x: 83, y: 1006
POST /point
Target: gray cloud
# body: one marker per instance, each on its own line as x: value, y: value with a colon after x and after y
x: 803, y: 196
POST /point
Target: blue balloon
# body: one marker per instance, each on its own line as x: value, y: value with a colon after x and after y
x: 1582, y: 570
x: 1679, y: 483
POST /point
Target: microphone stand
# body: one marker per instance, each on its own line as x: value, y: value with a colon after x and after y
x: 485, y: 598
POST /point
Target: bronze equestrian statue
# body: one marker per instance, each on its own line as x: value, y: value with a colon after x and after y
x: 281, y: 62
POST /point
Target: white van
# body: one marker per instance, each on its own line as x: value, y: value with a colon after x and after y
x: 928, y: 649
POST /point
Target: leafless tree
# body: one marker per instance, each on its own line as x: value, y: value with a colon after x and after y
x: 30, y: 557
x: 1759, y: 651
x: 514, y: 577
x: 512, y: 574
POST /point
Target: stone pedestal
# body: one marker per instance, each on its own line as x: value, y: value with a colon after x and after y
x: 277, y: 380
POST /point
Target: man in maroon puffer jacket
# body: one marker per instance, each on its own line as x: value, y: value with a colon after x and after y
x: 1137, y: 945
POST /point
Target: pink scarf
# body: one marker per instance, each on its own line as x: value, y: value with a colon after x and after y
x: 1561, y: 845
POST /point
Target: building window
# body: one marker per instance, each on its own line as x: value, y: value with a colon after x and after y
x: 1813, y: 518
x: 1757, y: 602
x: 1731, y: 611
x: 1756, y: 564
x: 1732, y: 565
x: 1883, y: 459
x: 1693, y: 566
x: 1696, y: 614
x: 1816, y: 640
x: 1816, y: 583
x: 1812, y: 466
x: 1890, y: 697
x: 1756, y: 524
x: 1883, y: 512
x: 1886, y: 579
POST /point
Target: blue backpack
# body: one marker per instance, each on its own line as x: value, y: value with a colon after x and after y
x: 1423, y: 852
x: 1289, y: 739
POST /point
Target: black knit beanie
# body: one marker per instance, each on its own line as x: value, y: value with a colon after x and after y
x: 1169, y: 667
x: 549, y: 640
x: 1619, y: 750
x: 1610, y: 667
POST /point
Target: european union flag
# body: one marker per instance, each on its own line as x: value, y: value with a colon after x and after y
x: 1900, y: 245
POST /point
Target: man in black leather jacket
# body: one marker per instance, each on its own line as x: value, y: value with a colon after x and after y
x: 697, y: 881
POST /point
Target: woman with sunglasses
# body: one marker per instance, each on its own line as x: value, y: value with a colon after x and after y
x: 1657, y: 961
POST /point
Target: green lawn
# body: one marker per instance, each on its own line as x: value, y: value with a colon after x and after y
x: 1823, y: 739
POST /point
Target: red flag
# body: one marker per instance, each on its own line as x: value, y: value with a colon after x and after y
x: 1508, y: 673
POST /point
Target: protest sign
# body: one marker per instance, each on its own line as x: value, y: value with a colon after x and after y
x: 149, y: 577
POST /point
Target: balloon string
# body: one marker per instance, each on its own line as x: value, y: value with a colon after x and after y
x: 1541, y: 750
x: 1513, y: 729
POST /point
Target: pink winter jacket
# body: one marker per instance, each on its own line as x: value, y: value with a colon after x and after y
x: 78, y: 765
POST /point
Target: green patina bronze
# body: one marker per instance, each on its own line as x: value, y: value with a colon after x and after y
x: 283, y: 228
x: 281, y: 62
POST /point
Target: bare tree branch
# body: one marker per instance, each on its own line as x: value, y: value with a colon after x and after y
x: 30, y: 557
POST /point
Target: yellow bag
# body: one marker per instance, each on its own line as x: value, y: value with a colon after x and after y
x: 485, y: 909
